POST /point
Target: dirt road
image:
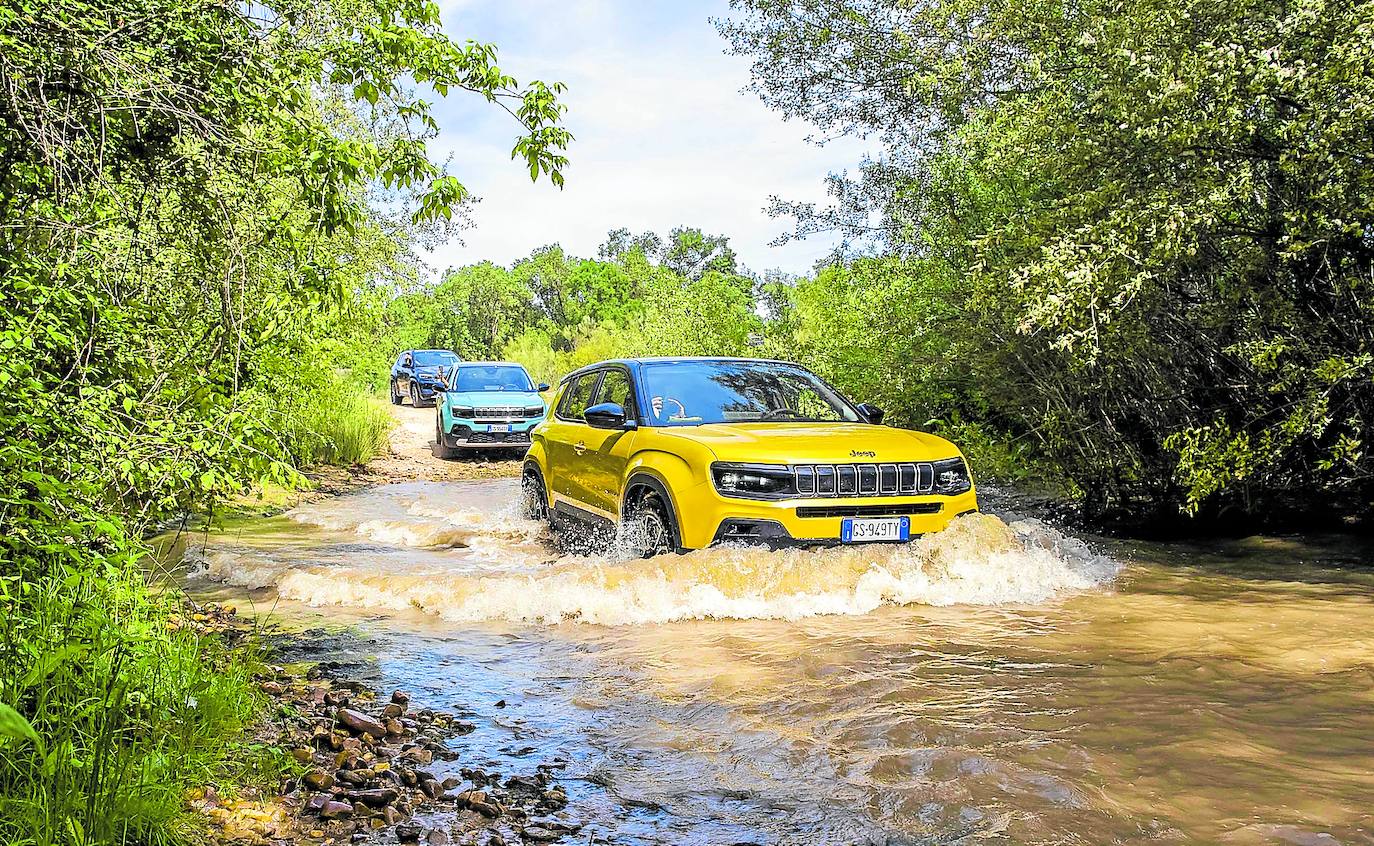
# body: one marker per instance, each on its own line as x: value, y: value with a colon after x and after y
x: 409, y: 457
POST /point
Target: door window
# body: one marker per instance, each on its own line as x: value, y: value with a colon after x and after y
x: 578, y: 396
x: 615, y: 387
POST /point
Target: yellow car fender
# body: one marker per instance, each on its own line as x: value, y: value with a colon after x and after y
x: 537, y: 460
x: 679, y: 478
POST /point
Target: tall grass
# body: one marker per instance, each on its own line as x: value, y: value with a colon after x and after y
x: 336, y: 424
x: 128, y: 712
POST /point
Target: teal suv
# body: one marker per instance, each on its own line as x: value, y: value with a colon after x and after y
x: 486, y: 405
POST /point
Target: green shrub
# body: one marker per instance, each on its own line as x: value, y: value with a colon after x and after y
x: 127, y: 712
x: 335, y: 424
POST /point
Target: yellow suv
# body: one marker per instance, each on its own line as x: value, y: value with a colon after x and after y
x: 681, y: 453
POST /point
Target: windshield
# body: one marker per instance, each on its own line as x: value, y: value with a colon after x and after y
x: 434, y: 358
x: 690, y: 393
x: 495, y: 377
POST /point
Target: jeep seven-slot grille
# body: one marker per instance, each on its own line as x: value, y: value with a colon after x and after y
x: 864, y: 479
x: 499, y: 412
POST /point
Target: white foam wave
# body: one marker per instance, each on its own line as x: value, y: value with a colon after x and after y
x: 978, y: 560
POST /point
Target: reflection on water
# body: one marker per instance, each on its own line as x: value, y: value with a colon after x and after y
x: 990, y: 684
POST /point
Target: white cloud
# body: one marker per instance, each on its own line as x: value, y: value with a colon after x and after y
x: 664, y: 135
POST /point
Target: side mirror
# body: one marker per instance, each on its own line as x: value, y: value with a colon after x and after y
x: 607, y: 415
x: 543, y: 386
x: 871, y: 413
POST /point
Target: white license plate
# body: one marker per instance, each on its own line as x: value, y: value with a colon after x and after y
x: 498, y: 427
x: 865, y: 529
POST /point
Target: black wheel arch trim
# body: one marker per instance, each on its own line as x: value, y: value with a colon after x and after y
x: 658, y: 486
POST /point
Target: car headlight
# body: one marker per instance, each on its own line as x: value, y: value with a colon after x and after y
x: 464, y: 411
x: 753, y: 481
x: 952, y: 477
x: 534, y: 411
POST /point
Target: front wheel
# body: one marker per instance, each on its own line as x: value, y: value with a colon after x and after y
x: 646, y: 529
x: 414, y: 396
x: 440, y: 448
x: 395, y: 394
x: 534, y: 500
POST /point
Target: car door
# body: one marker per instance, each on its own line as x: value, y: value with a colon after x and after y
x: 608, y: 450
x: 404, y: 373
x: 565, y: 441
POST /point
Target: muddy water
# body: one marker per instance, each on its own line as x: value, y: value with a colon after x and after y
x: 999, y: 682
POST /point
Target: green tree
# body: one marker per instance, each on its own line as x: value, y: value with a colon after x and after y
x: 184, y: 210
x: 1162, y: 213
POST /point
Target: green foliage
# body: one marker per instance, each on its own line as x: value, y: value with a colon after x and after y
x: 334, y: 424
x: 186, y: 233
x: 554, y: 313
x: 1159, y: 217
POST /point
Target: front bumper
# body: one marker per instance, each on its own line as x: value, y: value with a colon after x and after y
x: 807, y: 521
x: 470, y: 434
x: 427, y: 391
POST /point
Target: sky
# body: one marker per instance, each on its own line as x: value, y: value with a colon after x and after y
x: 665, y: 135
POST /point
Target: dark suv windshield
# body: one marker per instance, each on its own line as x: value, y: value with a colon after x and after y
x: 689, y: 393
x: 499, y: 377
x: 432, y: 358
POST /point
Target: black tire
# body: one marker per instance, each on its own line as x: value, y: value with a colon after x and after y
x: 395, y: 394
x: 414, y: 396
x: 439, y: 448
x: 646, y: 529
x: 534, y: 499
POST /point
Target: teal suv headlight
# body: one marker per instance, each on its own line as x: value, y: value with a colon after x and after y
x: 464, y: 411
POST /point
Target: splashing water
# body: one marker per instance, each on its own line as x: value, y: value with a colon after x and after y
x: 461, y: 553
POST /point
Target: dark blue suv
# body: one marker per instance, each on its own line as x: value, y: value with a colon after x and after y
x: 419, y: 374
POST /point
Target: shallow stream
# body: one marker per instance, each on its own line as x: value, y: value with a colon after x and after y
x: 999, y: 682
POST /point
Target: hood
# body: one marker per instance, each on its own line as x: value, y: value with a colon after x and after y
x: 487, y: 399
x: 815, y: 443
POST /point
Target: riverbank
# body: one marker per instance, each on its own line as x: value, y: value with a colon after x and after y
x: 408, y: 457
x: 363, y: 763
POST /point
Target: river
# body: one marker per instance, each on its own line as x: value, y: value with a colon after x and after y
x: 999, y: 682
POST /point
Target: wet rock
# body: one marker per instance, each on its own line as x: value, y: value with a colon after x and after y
x: 318, y: 780
x: 333, y: 810
x: 496, y: 839
x: 303, y: 754
x: 500, y: 703
x: 361, y: 723
x: 377, y: 798
x: 393, y: 710
x: 418, y: 755
x: 317, y: 802
x: 552, y: 824
x: 353, y: 777
x: 431, y: 788
x: 437, y: 837
x: 335, y: 698
x: 460, y: 727
x: 451, y: 782
x: 394, y: 728
x: 391, y: 816
x: 518, y: 782
x: 538, y: 834
x: 400, y: 697
x: 409, y: 833
x: 272, y: 688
